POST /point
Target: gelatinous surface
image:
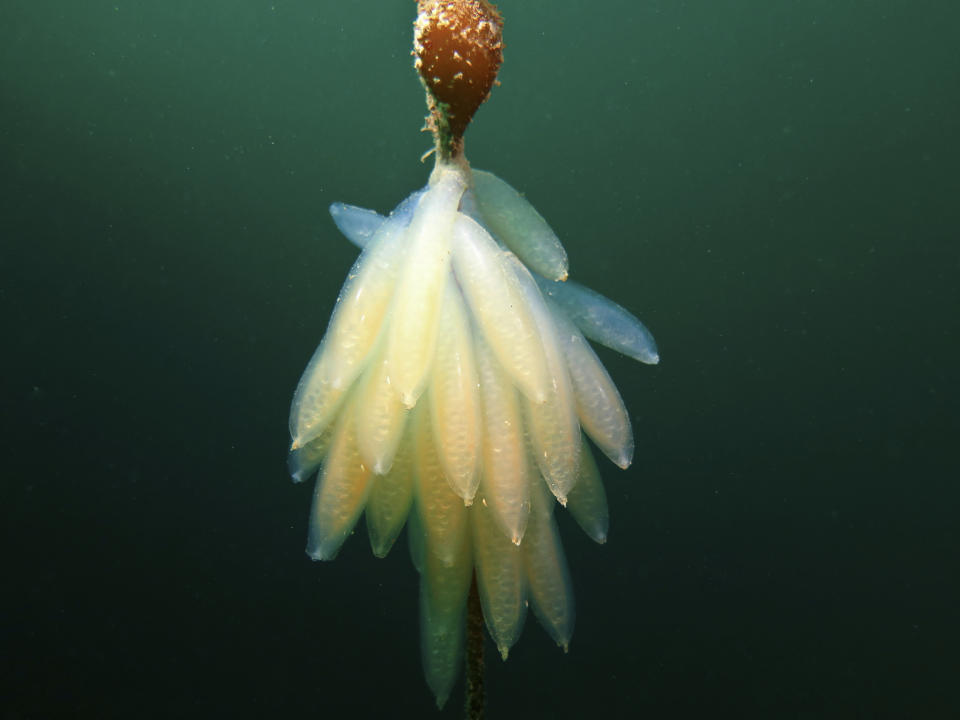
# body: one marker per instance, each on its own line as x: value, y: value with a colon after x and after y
x: 498, y: 307
x: 341, y: 492
x: 515, y: 223
x: 453, y: 391
x: 548, y: 578
x: 587, y: 502
x: 454, y: 397
x: 599, y: 406
x: 603, y: 321
x: 357, y: 321
x: 389, y: 501
x: 505, y: 482
x: 553, y: 427
x: 443, y: 596
x: 412, y: 332
x: 500, y: 579
x: 441, y: 510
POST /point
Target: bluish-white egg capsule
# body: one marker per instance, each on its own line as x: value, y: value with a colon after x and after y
x: 500, y: 578
x: 412, y: 332
x: 517, y: 224
x: 390, y: 499
x: 587, y: 501
x: 553, y: 425
x: 498, y: 307
x: 380, y: 415
x: 340, y: 494
x: 454, y: 396
x: 548, y: 578
x: 599, y: 406
x: 505, y: 472
x: 354, y: 327
x: 442, y: 512
x: 603, y: 321
x: 443, y: 601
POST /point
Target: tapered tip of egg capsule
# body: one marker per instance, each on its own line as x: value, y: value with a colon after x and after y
x: 321, y: 553
x: 504, y: 651
x: 458, y: 46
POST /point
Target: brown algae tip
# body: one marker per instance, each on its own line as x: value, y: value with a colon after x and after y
x: 458, y: 46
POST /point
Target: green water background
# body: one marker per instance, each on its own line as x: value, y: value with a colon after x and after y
x: 771, y: 186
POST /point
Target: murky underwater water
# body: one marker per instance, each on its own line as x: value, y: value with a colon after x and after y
x: 769, y: 186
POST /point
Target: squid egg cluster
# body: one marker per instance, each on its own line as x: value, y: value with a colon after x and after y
x: 451, y: 393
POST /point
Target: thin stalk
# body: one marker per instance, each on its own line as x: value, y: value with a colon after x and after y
x: 474, y: 669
